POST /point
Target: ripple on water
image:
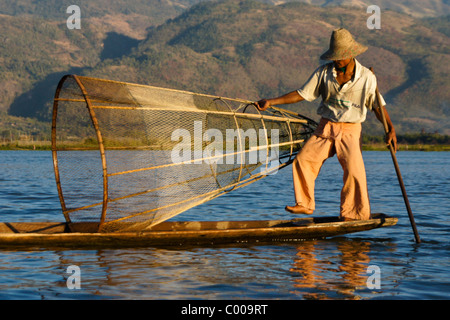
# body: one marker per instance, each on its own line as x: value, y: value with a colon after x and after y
x: 322, y: 269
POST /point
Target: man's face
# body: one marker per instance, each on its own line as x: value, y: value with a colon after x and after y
x: 342, y: 63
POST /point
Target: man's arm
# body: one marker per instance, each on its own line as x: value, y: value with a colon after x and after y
x: 391, y: 135
x: 291, y: 97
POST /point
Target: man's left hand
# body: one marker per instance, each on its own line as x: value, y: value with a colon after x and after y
x: 391, y: 138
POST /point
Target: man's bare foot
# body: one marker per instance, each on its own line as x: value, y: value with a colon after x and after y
x: 299, y: 209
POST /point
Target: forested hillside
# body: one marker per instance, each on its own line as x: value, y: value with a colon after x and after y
x: 245, y: 49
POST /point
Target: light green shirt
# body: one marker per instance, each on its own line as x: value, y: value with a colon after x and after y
x: 348, y: 103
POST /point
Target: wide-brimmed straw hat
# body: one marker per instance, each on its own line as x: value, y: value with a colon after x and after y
x: 342, y: 46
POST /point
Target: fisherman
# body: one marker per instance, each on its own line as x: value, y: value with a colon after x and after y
x: 348, y: 90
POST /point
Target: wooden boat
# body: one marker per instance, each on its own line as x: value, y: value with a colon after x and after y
x: 115, y: 141
x: 166, y: 234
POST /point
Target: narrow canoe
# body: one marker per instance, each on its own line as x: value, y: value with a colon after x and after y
x: 80, y: 235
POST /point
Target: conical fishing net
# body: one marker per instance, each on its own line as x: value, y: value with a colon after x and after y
x: 130, y: 156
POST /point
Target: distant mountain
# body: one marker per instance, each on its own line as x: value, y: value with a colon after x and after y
x: 158, y: 10
x: 252, y: 50
x: 37, y: 48
x: 243, y: 49
x: 415, y: 8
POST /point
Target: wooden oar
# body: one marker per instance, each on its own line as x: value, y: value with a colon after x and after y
x: 397, y: 168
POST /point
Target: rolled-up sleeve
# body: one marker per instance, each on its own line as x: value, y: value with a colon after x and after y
x: 311, y: 89
x: 371, y: 100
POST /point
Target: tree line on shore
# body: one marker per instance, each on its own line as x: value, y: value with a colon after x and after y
x: 410, y: 141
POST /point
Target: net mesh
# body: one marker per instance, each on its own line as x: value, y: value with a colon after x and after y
x: 130, y: 156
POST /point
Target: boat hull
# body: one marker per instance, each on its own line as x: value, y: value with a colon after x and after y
x: 78, y: 235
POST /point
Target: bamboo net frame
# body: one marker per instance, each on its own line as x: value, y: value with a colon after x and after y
x: 114, y: 143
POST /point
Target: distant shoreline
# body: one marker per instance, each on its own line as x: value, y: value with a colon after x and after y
x: 46, y: 146
x: 407, y: 147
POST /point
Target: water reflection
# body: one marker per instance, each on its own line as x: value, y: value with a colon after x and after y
x: 329, y: 275
x: 322, y: 269
x: 318, y: 270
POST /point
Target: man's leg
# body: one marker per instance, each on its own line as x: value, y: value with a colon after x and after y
x: 307, y: 166
x: 354, y: 195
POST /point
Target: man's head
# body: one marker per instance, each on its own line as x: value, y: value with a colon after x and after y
x: 342, y: 46
x: 342, y: 63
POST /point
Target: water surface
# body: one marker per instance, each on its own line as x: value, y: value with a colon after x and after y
x: 334, y: 268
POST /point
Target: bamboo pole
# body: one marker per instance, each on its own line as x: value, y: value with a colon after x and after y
x: 397, y: 168
x: 54, y: 149
x: 100, y: 145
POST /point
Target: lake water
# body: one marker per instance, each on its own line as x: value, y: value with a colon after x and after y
x: 337, y: 268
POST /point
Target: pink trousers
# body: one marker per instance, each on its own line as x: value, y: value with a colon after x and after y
x: 344, y: 140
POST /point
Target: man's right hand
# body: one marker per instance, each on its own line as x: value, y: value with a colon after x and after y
x: 291, y: 97
x: 263, y: 104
